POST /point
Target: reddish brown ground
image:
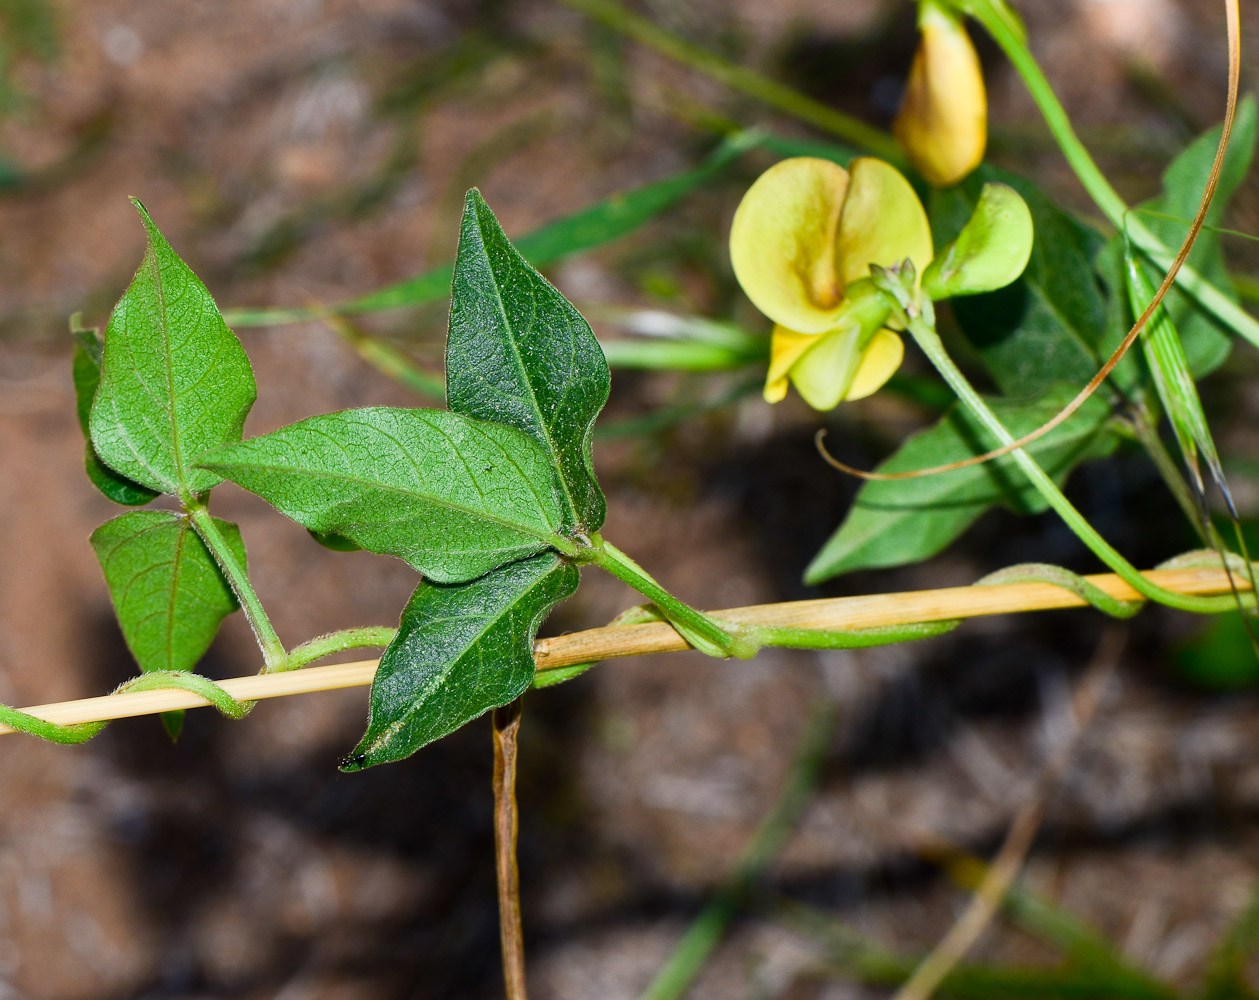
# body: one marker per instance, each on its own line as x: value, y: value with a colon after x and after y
x: 239, y: 862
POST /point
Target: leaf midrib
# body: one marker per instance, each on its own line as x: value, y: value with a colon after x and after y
x: 223, y: 467
x: 181, y: 480
x: 569, y: 501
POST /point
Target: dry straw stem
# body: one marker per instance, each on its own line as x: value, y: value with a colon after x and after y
x: 874, y: 611
x: 996, y: 882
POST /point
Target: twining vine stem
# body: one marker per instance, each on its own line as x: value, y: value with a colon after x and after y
x: 866, y: 612
x: 927, y: 339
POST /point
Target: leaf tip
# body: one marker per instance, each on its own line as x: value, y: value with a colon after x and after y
x: 138, y: 205
x: 353, y: 762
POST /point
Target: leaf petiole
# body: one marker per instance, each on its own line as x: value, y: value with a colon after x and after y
x: 927, y: 339
x: 273, y: 655
x: 701, y: 631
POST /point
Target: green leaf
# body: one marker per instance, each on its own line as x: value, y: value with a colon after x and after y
x: 331, y: 540
x: 519, y: 354
x: 166, y: 587
x: 590, y: 227
x: 1044, y: 327
x: 175, y: 381
x: 87, y: 375
x: 903, y: 521
x: 1207, y: 342
x: 453, y: 496
x: 460, y: 651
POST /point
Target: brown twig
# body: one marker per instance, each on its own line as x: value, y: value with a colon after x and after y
x: 992, y: 888
x: 506, y: 725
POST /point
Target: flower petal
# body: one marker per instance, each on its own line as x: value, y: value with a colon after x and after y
x: 879, y: 363
x: 990, y: 252
x: 824, y: 372
x: 882, y: 222
x: 785, y: 348
x: 942, y: 123
x: 783, y: 242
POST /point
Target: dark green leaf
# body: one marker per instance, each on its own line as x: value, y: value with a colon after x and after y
x: 1207, y: 342
x: 175, y: 382
x: 903, y: 521
x: 166, y: 587
x: 586, y: 229
x: 1046, y: 326
x: 519, y: 354
x: 87, y: 375
x: 460, y: 651
x: 453, y: 496
x: 337, y: 543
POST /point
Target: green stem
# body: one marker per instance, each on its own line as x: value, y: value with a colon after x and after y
x: 1099, y: 188
x: 678, y: 355
x: 273, y: 654
x: 860, y: 638
x: 1147, y: 434
x: 697, y: 628
x: 741, y: 79
x: 337, y: 642
x: 931, y: 345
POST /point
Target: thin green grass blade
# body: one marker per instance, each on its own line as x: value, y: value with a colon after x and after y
x: 1226, y: 971
x: 591, y: 227
x: 1175, y: 386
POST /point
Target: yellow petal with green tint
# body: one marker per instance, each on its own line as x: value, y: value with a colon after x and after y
x: 783, y: 243
x: 882, y: 222
x: 942, y: 123
x: 825, y: 370
x: 882, y: 357
x: 991, y: 250
x: 785, y: 348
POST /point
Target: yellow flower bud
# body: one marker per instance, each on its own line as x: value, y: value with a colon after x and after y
x: 801, y: 244
x: 943, y: 120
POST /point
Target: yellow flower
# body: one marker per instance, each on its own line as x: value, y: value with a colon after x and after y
x: 802, y: 243
x: 943, y: 120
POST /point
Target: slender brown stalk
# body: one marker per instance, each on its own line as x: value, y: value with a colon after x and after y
x: 506, y: 724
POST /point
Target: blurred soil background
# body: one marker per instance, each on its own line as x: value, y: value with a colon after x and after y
x: 306, y: 150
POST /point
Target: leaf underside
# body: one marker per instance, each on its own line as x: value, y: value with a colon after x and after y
x: 460, y: 651
x: 452, y: 496
x: 86, y: 371
x: 167, y: 590
x: 519, y: 354
x: 903, y: 521
x: 175, y: 381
